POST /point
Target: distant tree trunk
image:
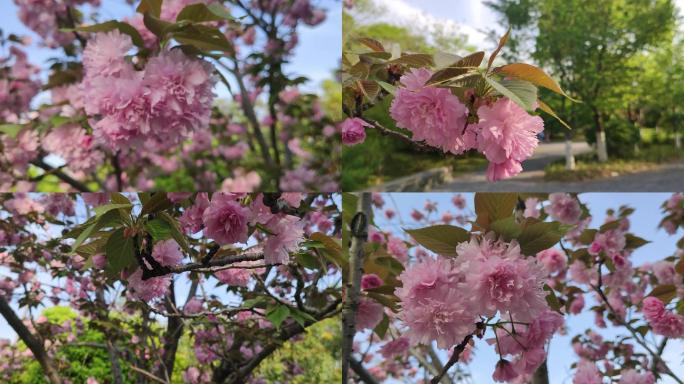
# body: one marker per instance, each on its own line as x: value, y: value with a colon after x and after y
x: 678, y: 139
x: 541, y: 375
x: 601, y: 149
x: 569, y: 155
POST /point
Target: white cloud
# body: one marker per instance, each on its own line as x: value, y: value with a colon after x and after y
x: 401, y: 13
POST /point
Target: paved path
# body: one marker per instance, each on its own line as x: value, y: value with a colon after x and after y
x: 666, y: 178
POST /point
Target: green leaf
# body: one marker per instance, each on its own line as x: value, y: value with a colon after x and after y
x: 502, y: 42
x: 119, y: 198
x: 92, y: 247
x: 157, y: 202
x: 102, y: 209
x: 301, y: 317
x: 308, y: 260
x: 111, y: 25
x: 391, y: 89
x: 540, y: 235
x: 150, y: 6
x: 609, y: 226
x: 441, y: 239
x: 472, y: 60
x: 414, y: 60
x: 203, y: 38
x: 633, y: 242
x: 10, y: 130
x: 176, y: 232
x: 372, y: 44
x: 521, y: 92
x: 587, y: 236
x: 665, y: 292
x: 84, y: 231
x: 382, y: 327
x: 156, y: 25
x: 507, y: 228
x: 491, y: 207
x: 278, y: 314
x: 201, y: 12
x: 159, y: 229
x: 444, y: 59
x: 533, y: 75
x: 552, y: 299
x: 544, y: 107
x: 445, y: 75
x: 120, y: 251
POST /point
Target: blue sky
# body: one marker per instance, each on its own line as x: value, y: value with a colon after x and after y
x: 644, y: 223
x: 316, y: 57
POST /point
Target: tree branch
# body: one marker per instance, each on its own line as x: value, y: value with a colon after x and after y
x: 61, y: 175
x: 361, y: 371
x: 36, y: 347
x: 453, y: 360
x: 359, y: 233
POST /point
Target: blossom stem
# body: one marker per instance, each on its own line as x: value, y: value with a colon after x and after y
x: 454, y: 358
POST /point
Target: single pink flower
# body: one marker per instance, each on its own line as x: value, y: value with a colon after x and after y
x: 167, y: 253
x: 432, y: 114
x: 504, y: 371
x: 226, y: 219
x: 353, y: 131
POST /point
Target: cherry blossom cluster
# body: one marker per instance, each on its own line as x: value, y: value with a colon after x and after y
x: 160, y: 105
x: 504, y: 132
x: 46, y: 18
x: 499, y: 281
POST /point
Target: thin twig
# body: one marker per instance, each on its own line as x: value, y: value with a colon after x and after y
x: 415, y: 144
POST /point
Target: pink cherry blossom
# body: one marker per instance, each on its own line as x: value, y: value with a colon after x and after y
x: 631, y: 376
x: 504, y: 371
x: 432, y: 114
x: 167, y: 253
x: 398, y: 346
x: 226, y: 219
x: 564, y: 208
x: 552, y: 259
x: 432, y: 307
x: 149, y: 289
x: 288, y: 233
x: 370, y: 281
x: 353, y: 131
x: 105, y: 54
x: 506, y: 135
x: 191, y: 219
x: 587, y: 373
x: 369, y: 314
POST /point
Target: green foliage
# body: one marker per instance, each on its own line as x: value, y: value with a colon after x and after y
x: 620, y: 67
x: 317, y: 356
x: 441, y: 239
